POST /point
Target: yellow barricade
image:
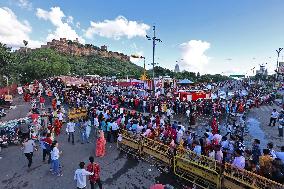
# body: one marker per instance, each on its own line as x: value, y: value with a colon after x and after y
x: 77, y: 113
x: 245, y: 179
x: 156, y: 150
x: 130, y: 143
x: 200, y: 170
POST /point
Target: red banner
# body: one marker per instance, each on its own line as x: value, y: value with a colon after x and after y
x: 12, y: 89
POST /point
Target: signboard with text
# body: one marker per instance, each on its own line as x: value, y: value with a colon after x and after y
x: 281, y: 68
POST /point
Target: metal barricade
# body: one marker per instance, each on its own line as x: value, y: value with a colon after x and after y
x: 77, y: 113
x: 156, y: 152
x: 200, y: 170
x: 130, y: 143
x: 237, y: 178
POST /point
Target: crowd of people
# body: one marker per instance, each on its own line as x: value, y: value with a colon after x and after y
x: 158, y: 117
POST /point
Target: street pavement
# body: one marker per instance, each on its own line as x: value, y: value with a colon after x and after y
x: 258, y: 120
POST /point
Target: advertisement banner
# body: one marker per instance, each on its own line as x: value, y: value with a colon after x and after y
x: 281, y: 68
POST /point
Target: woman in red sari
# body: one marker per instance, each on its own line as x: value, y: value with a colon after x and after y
x: 101, y: 145
x: 53, y: 103
x: 57, y: 126
x: 214, y: 126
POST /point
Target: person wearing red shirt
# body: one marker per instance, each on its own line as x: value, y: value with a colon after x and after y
x: 95, y: 178
x: 41, y: 102
x: 48, y: 142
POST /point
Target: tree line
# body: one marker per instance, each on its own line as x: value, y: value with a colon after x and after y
x: 22, y: 67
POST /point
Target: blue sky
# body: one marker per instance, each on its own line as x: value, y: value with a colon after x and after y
x: 224, y: 36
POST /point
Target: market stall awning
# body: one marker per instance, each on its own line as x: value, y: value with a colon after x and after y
x: 185, y: 81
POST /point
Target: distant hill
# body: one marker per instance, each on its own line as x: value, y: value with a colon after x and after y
x: 46, y: 62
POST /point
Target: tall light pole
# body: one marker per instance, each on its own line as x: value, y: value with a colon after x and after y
x: 278, y: 54
x: 154, y: 39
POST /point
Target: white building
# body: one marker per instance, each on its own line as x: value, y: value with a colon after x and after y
x: 262, y: 70
x: 177, y: 68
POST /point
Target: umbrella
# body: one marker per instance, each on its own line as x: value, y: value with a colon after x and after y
x: 185, y: 81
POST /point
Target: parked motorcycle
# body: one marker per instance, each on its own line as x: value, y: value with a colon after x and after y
x: 2, y: 112
x: 4, y: 141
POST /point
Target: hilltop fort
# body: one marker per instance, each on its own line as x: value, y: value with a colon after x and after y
x: 75, y: 48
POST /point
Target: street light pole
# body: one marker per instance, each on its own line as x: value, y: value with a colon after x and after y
x: 278, y: 54
x: 154, y: 39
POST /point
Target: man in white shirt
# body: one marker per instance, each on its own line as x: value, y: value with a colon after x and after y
x: 80, y: 176
x: 169, y: 114
x: 280, y: 155
x: 187, y: 115
x: 273, y: 118
x: 70, y: 129
x: 210, y: 135
x: 217, y: 137
x: 58, y: 104
x: 28, y: 147
x: 60, y: 116
x: 114, y: 128
x: 239, y: 161
x: 144, y: 105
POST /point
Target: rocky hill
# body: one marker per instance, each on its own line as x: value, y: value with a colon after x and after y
x: 74, y: 48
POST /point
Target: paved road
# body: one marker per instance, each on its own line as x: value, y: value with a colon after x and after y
x: 258, y: 120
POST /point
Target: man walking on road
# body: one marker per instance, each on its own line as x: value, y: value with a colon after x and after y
x: 273, y: 118
x: 28, y: 147
x: 280, y: 123
x: 70, y: 130
x: 80, y: 176
x: 95, y: 178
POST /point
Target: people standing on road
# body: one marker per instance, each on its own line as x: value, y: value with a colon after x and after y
x: 280, y: 123
x: 239, y: 161
x: 80, y: 176
x: 83, y: 132
x: 101, y: 145
x: 70, y: 129
x: 42, y: 102
x: 273, y: 117
x: 95, y: 178
x: 256, y: 153
x: 47, y: 144
x: 88, y: 129
x: 265, y: 162
x: 43, y: 147
x: 55, y: 154
x: 28, y: 147
x: 280, y: 154
x: 270, y: 146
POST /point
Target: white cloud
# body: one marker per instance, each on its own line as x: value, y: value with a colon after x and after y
x: 70, y: 19
x: 63, y: 29
x: 24, y: 4
x: 193, y: 55
x: 117, y: 28
x: 78, y: 25
x: 13, y: 31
